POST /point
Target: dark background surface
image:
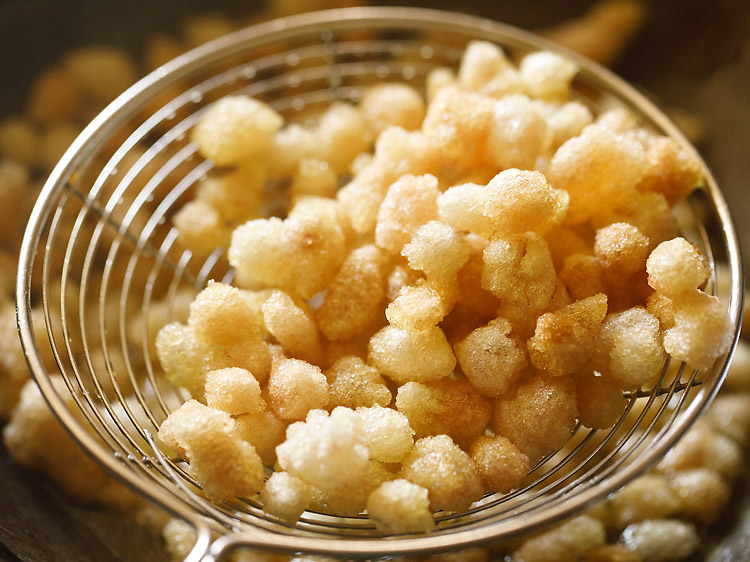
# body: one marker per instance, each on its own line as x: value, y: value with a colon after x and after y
x: 690, y: 55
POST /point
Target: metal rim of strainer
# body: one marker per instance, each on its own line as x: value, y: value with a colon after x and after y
x: 511, y: 524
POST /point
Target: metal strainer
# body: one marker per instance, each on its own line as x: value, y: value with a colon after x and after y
x: 101, y: 270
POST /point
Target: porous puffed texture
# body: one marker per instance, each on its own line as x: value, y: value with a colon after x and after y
x: 676, y: 267
x: 416, y: 308
x: 599, y: 169
x: 697, y: 328
x: 295, y: 387
x: 600, y: 402
x: 326, y: 451
x: 400, y: 506
x: 491, y: 357
x: 513, y: 202
x: 448, y: 406
x: 388, y: 433
x: 392, y: 104
x: 565, y: 340
x: 264, y: 431
x: 270, y: 251
x: 439, y: 465
x: 234, y: 390
x: 500, y: 464
x: 355, y: 296
x: 353, y: 383
x: 236, y: 128
x: 410, y: 202
x: 629, y: 349
x: 224, y: 464
x: 292, y: 326
x: 419, y: 356
x: 538, y: 416
x: 285, y: 496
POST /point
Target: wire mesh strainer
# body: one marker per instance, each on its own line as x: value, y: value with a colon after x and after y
x: 101, y: 271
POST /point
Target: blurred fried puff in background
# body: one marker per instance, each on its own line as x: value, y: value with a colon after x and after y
x: 65, y: 61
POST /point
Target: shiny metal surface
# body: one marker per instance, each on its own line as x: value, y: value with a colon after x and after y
x: 102, y: 223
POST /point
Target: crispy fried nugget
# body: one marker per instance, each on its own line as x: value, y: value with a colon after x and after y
x: 482, y: 61
x: 599, y: 169
x: 353, y: 383
x: 652, y: 537
x: 285, y: 496
x: 233, y: 390
x: 629, y: 350
x: 349, y: 498
x: 671, y: 170
x: 501, y: 465
x: 564, y: 341
x: 411, y: 355
x: 293, y: 327
x: 513, y: 202
x: 702, y: 493
x: 182, y: 357
x: 392, y: 104
x: 295, y: 387
x: 470, y: 292
x: 456, y: 125
x: 569, y: 541
x: 397, y: 152
x: 236, y: 195
x: 518, y: 269
x: 704, y: 447
x: 438, y: 250
x: 326, y: 451
x: 315, y: 178
x: 219, y: 315
x: 583, y: 275
x: 410, y: 202
x: 416, y: 308
x: 537, y: 416
x: 355, y: 296
x: 399, y: 506
x: 702, y: 330
x: 518, y: 134
x: 697, y: 328
x: 600, y: 403
x: 646, y: 497
x: 272, y: 252
x: 440, y: 466
x: 224, y: 464
x: 676, y: 267
x: 341, y: 134
x: 491, y: 358
x: 200, y: 227
x: 264, y: 431
x: 621, y: 250
x: 387, y: 433
x: 547, y: 75
x: 236, y: 129
x: 485, y: 69
x: 447, y: 406
x: 649, y: 212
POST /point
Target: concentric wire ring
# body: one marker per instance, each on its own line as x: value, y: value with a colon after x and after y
x: 101, y: 270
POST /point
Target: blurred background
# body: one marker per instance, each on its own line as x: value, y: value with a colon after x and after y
x: 692, y: 57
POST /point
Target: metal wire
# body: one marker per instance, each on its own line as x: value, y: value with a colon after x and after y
x: 101, y: 260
